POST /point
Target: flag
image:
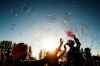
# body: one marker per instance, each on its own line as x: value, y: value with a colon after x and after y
x: 69, y: 33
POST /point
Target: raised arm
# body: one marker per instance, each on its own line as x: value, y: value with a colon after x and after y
x: 77, y: 41
x: 61, y: 43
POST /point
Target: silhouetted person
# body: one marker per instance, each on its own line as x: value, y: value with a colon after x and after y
x: 19, y: 52
x: 74, y: 52
x: 2, y: 56
x: 52, y: 57
x: 87, y: 53
x: 89, y: 60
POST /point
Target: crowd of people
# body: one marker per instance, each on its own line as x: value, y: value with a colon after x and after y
x: 75, y: 56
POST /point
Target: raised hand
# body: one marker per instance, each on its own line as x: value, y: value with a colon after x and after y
x: 61, y: 41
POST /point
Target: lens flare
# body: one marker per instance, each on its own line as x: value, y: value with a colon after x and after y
x: 50, y: 44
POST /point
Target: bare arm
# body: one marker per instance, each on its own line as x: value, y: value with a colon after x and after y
x: 77, y: 41
x: 61, y: 43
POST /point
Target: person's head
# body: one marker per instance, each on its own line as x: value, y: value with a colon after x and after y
x: 19, y: 51
x: 70, y: 43
x: 87, y: 50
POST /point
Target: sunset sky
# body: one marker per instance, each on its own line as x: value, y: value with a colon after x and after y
x: 37, y: 22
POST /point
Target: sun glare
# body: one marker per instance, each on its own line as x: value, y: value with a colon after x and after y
x: 50, y: 43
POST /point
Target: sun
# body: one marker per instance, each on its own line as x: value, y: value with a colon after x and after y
x: 49, y: 43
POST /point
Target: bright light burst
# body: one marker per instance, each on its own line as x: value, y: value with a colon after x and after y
x: 49, y: 43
